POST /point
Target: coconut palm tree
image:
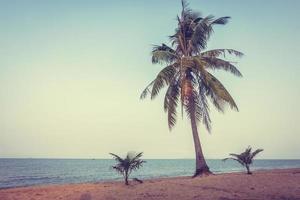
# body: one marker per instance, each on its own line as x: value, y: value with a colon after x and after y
x: 126, y: 165
x: 188, y: 76
x: 245, y: 158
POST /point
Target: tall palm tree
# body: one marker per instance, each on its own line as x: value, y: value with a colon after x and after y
x: 245, y: 158
x: 187, y: 74
x: 128, y: 164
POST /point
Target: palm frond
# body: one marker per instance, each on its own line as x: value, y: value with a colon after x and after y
x: 219, y: 52
x: 163, y: 54
x: 201, y: 33
x: 209, y: 92
x: 220, y: 91
x: 248, y: 150
x: 117, y: 158
x: 204, y: 106
x: 256, y: 152
x: 216, y: 63
x: 215, y: 88
x: 184, y: 5
x: 118, y: 168
x: 146, y: 91
x: 135, y: 162
x: 192, y: 106
x: 171, y: 102
x: 202, y: 99
x: 234, y: 155
x: 163, y: 78
x: 137, y: 156
x: 221, y: 20
x: 236, y: 159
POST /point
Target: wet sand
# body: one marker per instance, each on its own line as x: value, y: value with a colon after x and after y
x: 263, y: 185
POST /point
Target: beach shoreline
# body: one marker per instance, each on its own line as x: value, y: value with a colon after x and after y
x: 263, y: 184
x: 120, y: 180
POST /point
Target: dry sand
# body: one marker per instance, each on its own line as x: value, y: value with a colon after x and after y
x: 270, y: 184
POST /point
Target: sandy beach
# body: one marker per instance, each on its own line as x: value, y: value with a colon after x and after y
x: 281, y: 184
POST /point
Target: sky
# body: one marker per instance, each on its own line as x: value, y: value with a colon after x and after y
x: 71, y: 73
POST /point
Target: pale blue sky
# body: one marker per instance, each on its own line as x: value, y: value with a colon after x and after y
x: 71, y: 73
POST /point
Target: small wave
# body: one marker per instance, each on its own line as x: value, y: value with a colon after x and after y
x: 31, y: 178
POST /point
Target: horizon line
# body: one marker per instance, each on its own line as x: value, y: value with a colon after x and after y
x: 53, y: 158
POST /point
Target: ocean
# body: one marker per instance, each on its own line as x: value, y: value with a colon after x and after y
x: 27, y: 172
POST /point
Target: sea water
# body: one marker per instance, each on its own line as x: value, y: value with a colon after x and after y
x: 26, y: 172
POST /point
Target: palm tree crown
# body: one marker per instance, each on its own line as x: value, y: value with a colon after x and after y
x: 187, y: 74
x: 126, y: 165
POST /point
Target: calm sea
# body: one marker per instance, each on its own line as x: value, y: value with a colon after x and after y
x: 26, y: 172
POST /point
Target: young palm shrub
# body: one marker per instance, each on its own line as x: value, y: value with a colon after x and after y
x: 245, y: 158
x: 188, y: 75
x: 126, y: 165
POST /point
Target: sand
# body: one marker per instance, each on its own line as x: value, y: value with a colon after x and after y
x: 269, y: 184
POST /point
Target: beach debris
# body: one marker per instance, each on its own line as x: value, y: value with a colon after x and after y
x: 138, y: 180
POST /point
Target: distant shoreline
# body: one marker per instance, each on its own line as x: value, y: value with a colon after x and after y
x: 144, y: 158
x: 263, y: 184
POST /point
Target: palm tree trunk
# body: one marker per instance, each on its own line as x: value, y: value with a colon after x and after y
x: 248, y: 169
x: 201, y: 166
x: 126, y: 178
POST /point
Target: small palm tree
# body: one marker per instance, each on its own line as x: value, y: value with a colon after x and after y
x: 128, y: 164
x: 245, y: 158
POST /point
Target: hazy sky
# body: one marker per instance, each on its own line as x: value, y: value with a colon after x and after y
x: 71, y: 73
